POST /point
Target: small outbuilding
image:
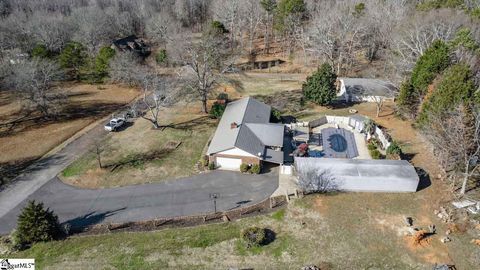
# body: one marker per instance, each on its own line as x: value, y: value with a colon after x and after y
x: 365, y: 90
x: 363, y: 175
x: 132, y: 44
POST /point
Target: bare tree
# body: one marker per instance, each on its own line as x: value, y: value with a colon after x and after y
x: 33, y: 82
x: 98, y: 150
x: 51, y: 30
x: 455, y: 136
x: 418, y: 33
x: 388, y: 93
x: 313, y: 180
x: 269, y: 6
x: 335, y: 36
x: 126, y: 68
x: 157, y: 94
x: 205, y: 63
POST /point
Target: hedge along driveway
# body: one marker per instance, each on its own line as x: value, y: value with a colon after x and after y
x: 181, y: 197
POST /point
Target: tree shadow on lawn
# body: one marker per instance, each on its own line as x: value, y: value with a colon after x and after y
x: 191, y: 124
x: 73, y: 111
x: 78, y: 224
x: 342, y: 104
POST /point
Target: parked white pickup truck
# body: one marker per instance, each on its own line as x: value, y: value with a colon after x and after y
x: 114, y: 124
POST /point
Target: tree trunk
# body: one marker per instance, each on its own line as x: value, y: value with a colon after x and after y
x: 465, y: 180
x: 204, y: 105
x: 266, y: 41
x: 99, y: 158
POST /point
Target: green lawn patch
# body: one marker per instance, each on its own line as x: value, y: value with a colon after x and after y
x: 79, y: 166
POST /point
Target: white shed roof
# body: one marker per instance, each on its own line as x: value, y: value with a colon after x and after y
x: 365, y: 175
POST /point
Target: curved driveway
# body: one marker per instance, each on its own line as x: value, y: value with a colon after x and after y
x: 82, y: 207
x: 186, y: 196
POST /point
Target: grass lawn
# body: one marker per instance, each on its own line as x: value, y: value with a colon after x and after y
x: 85, y: 104
x: 256, y: 83
x: 127, y: 148
x: 343, y: 231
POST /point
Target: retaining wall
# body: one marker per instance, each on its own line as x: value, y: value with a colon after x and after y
x: 266, y: 206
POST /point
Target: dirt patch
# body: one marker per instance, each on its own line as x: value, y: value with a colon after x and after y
x: 320, y: 206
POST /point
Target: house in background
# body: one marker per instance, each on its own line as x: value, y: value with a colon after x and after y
x: 132, y: 44
x: 369, y: 90
x: 245, y: 135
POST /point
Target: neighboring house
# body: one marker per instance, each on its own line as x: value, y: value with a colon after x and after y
x: 245, y: 135
x: 132, y: 44
x: 364, y: 175
x: 369, y: 90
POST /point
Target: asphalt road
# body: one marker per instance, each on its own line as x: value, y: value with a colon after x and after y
x: 186, y: 196
x: 45, y: 169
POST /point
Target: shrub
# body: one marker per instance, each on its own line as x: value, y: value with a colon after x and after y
x: 371, y: 146
x: 375, y: 154
x: 217, y: 27
x: 211, y: 166
x: 244, y: 167
x: 36, y: 224
x: 40, y: 51
x: 275, y: 115
x: 369, y: 126
x: 254, y: 236
x: 222, y: 96
x: 394, y: 148
x: 161, y: 57
x: 204, y: 162
x: 320, y: 86
x: 217, y: 110
x: 255, y: 169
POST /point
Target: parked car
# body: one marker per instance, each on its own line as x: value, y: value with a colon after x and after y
x: 115, y: 124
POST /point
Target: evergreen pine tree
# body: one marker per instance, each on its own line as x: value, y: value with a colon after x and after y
x: 36, y: 224
x: 73, y: 58
x: 320, y: 87
x: 407, y: 100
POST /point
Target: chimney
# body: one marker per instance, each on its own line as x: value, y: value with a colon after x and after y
x: 233, y: 125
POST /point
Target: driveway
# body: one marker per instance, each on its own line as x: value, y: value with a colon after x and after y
x: 82, y: 207
x: 186, y: 196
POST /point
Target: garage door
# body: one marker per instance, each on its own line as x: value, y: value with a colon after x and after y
x: 229, y: 163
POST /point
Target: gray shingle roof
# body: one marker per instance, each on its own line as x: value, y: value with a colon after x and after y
x: 254, y: 131
x: 270, y: 134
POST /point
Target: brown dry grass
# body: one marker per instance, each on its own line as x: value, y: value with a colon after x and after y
x: 189, y: 127
x: 33, y: 139
x: 389, y: 209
